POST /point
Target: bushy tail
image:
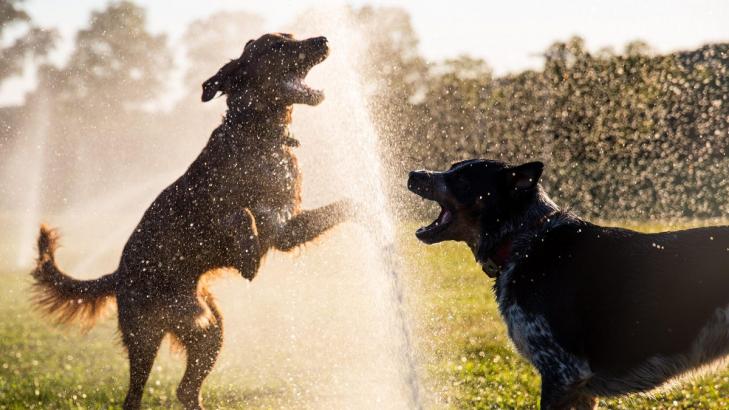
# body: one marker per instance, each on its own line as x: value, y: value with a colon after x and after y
x: 60, y: 296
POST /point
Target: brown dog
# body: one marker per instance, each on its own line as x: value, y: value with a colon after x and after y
x: 238, y: 199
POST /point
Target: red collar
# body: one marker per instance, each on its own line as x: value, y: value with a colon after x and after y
x: 498, y: 258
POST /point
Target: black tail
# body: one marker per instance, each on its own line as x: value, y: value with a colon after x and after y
x: 60, y: 296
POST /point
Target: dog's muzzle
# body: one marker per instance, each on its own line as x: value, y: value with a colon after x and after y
x: 422, y: 183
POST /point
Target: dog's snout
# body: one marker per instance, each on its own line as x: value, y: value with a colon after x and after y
x: 421, y: 183
x: 413, y: 178
x: 320, y: 41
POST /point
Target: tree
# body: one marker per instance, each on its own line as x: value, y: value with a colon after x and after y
x: 116, y: 62
x: 630, y: 135
x: 97, y: 100
x: 454, y: 109
x: 34, y: 42
x: 396, y: 75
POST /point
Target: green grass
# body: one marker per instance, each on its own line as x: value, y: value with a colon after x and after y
x: 46, y: 367
x: 461, y: 342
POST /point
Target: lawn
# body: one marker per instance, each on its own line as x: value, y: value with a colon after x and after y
x: 45, y: 367
x: 465, y: 357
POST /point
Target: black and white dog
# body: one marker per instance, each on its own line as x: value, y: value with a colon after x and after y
x: 598, y: 311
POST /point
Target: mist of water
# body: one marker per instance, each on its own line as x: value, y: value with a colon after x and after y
x: 343, y: 134
x: 24, y: 170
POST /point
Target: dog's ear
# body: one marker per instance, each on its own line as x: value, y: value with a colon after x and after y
x: 211, y: 87
x: 523, y: 177
x: 245, y: 47
x: 214, y: 84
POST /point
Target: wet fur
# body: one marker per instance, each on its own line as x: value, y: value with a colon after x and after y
x: 240, y: 198
x: 600, y: 312
x: 621, y: 333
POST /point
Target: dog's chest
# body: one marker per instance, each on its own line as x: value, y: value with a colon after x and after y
x: 528, y: 332
x: 283, y: 165
x: 281, y: 172
x: 276, y: 188
x: 525, y: 328
x: 533, y: 337
x: 268, y: 176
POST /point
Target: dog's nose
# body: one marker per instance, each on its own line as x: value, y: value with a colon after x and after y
x: 418, y: 181
x: 321, y: 41
x: 411, y: 179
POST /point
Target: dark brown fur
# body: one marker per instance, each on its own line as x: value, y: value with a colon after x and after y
x: 238, y: 199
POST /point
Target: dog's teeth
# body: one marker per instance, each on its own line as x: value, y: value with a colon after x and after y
x: 446, y: 216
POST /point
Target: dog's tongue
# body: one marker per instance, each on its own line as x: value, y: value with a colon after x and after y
x: 443, y: 218
x: 312, y: 96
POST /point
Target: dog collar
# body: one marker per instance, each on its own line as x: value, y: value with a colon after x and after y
x: 493, y: 264
x: 282, y: 136
x: 499, y: 257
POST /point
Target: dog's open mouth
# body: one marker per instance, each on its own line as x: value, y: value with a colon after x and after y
x: 426, y: 185
x: 296, y: 84
x: 445, y: 217
x: 307, y: 94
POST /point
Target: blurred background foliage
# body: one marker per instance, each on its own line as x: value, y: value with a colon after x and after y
x: 627, y: 134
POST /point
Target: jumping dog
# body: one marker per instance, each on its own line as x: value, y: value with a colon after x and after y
x: 238, y: 199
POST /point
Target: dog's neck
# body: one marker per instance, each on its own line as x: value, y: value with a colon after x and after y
x: 493, y: 252
x: 268, y: 123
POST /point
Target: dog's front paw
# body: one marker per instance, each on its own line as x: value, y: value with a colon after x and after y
x: 249, y: 266
x: 243, y: 232
x: 349, y: 208
x: 358, y: 211
x: 341, y: 210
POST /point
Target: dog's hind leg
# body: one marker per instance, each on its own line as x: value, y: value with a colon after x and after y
x: 583, y: 402
x: 556, y: 396
x: 309, y: 224
x: 202, y: 341
x: 142, y: 340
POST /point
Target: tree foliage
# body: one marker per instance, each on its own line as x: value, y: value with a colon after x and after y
x: 116, y: 62
x: 213, y: 41
x: 624, y: 136
x: 33, y: 42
